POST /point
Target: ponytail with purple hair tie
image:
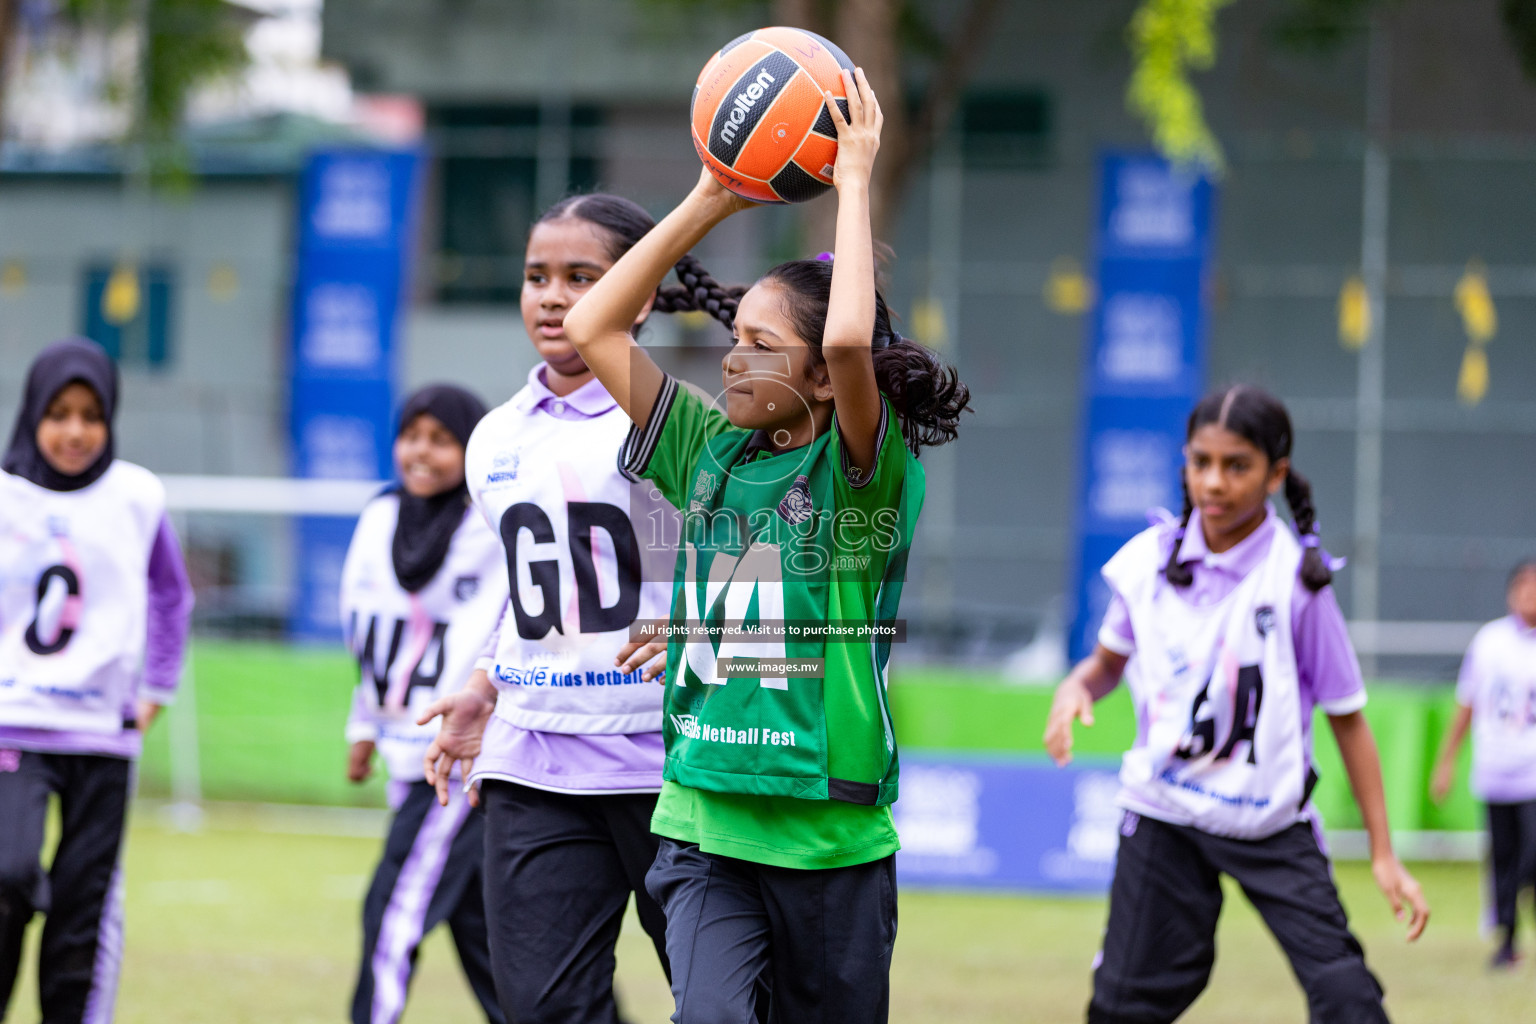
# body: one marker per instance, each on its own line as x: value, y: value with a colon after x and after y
x: 1312, y: 540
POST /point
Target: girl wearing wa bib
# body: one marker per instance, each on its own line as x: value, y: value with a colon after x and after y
x: 421, y: 589
x: 1224, y: 627
x: 94, y: 612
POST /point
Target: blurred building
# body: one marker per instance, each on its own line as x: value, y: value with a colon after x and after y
x: 524, y: 101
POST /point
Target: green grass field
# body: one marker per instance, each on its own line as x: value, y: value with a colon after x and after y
x: 255, y: 917
x: 251, y: 920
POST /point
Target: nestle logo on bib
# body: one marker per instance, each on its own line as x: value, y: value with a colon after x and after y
x: 503, y: 468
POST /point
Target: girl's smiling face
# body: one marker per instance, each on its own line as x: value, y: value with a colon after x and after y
x: 73, y: 432
x: 429, y: 459
x: 770, y: 379
x: 1229, y: 478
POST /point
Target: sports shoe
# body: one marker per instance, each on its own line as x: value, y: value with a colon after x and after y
x: 1504, y: 959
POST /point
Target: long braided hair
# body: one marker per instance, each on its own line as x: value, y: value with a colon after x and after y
x: 928, y: 395
x: 1260, y: 418
x: 624, y: 222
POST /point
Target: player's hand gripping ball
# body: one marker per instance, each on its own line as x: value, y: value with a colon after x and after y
x: 760, y: 121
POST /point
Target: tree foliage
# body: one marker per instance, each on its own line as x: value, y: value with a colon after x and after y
x: 1168, y: 39
x: 181, y: 45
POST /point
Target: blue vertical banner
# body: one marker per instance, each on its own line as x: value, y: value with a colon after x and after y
x: 1143, y: 366
x: 357, y: 212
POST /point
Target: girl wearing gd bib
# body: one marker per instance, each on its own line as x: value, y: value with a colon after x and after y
x: 94, y: 611
x: 559, y: 727
x: 1228, y: 634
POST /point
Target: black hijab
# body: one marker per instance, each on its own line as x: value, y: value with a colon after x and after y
x: 427, y: 525
x: 56, y: 367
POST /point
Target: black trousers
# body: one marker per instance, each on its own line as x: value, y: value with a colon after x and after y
x: 752, y: 942
x: 1512, y: 841
x: 430, y: 873
x: 82, y: 940
x: 559, y: 869
x: 1160, y: 942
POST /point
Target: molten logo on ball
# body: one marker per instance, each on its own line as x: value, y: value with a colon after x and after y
x: 745, y: 101
x: 759, y: 118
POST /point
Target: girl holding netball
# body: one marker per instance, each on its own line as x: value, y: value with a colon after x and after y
x: 776, y: 868
x: 1225, y: 627
x: 1496, y: 700
x: 421, y: 590
x: 94, y: 613
x: 560, y: 726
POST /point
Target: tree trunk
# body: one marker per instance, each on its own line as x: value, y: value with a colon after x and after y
x: 867, y: 31
x: 7, y: 43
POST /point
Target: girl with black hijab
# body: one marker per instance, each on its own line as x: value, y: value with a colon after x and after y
x: 422, y: 588
x: 94, y: 614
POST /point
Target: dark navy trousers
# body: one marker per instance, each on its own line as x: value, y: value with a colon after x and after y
x: 753, y: 942
x: 430, y: 874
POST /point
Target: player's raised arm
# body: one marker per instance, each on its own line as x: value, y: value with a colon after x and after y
x: 846, y: 342
x: 600, y: 324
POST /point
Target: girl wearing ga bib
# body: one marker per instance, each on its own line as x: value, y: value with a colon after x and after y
x: 1496, y: 700
x: 421, y: 589
x: 1224, y: 627
x: 776, y: 870
x: 94, y: 613
x: 559, y: 728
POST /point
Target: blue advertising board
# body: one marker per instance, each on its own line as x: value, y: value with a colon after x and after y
x: 1143, y: 366
x: 979, y: 823
x: 356, y: 213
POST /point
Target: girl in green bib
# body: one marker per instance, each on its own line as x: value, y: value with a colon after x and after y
x: 800, y: 492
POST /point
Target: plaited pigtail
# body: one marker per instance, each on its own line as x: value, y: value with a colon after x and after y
x: 1176, y: 572
x: 1314, y: 568
x: 699, y: 291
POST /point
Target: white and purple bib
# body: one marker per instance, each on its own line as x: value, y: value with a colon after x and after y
x: 74, y: 598
x: 587, y: 553
x: 410, y: 648
x: 1498, y: 682
x: 1220, y: 743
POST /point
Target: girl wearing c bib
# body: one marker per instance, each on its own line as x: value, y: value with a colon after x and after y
x: 421, y: 589
x: 1224, y: 627
x: 94, y: 613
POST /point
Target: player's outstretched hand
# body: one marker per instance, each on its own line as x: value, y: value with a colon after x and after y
x: 360, y: 761
x: 650, y: 653
x: 1073, y: 701
x: 464, y: 716
x: 1402, y: 889
x: 858, y: 134
x: 145, y: 712
x: 1444, y: 777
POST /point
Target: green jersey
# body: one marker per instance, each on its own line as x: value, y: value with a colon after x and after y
x: 788, y: 559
